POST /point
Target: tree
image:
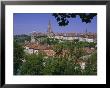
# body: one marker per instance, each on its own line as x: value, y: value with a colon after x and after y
x: 18, y: 55
x: 55, y: 66
x: 62, y: 18
x: 91, y: 67
x: 92, y: 44
x: 33, y: 65
x: 21, y: 38
x: 72, y: 68
x: 58, y: 47
x: 51, y: 41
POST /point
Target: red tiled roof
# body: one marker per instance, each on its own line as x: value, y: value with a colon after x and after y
x: 37, y: 46
x: 49, y: 52
x: 88, y: 50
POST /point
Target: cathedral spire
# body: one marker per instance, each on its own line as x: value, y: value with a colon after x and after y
x: 32, y: 38
x: 49, y: 31
x: 49, y: 27
x: 86, y: 30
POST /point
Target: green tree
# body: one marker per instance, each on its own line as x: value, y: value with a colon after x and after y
x: 62, y: 18
x: 92, y: 44
x: 91, y: 66
x: 33, y: 65
x: 51, y: 41
x: 22, y: 38
x: 58, y: 48
x: 54, y: 66
x: 72, y: 68
x: 18, y: 55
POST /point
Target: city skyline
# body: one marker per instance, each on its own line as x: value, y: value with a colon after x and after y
x: 25, y: 23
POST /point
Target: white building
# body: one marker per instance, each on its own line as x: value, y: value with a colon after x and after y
x: 85, y: 37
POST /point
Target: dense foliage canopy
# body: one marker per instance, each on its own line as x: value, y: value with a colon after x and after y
x: 38, y: 64
x: 62, y: 18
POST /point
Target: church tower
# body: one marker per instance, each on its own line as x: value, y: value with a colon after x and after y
x: 49, y: 27
x: 49, y: 31
x: 32, y: 38
x: 86, y: 35
x: 86, y: 31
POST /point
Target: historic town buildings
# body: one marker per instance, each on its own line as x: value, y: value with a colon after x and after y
x: 86, y: 36
x: 35, y: 46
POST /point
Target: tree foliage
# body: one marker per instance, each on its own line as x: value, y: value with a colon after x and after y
x: 91, y: 67
x: 39, y: 64
x: 22, y: 38
x: 62, y: 18
x: 33, y: 65
x: 18, y: 55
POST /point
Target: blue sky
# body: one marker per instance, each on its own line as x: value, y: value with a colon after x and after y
x: 25, y: 23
